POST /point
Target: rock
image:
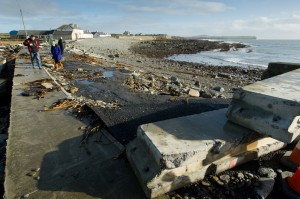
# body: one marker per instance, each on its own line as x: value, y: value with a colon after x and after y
x: 265, y: 187
x: 174, y: 91
x: 225, y: 75
x: 205, y: 183
x: 225, y: 178
x: 135, y: 74
x: 194, y: 93
x: 240, y: 175
x: 79, y: 69
x: 47, y: 85
x: 174, y: 79
x: 208, y: 93
x: 267, y: 172
x: 197, y: 83
x: 219, y: 89
x: 216, y: 179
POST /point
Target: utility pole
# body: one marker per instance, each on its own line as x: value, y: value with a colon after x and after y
x: 23, y: 22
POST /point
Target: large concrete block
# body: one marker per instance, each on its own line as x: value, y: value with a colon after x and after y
x: 271, y: 107
x: 170, y: 154
x: 278, y: 68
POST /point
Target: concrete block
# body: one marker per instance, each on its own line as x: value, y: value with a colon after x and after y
x: 170, y: 154
x: 278, y: 68
x: 271, y: 107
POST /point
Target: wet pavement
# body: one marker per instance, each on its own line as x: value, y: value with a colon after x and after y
x: 46, y: 155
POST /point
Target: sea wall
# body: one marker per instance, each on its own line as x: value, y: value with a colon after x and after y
x: 278, y: 68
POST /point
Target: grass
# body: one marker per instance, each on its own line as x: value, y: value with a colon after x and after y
x: 10, y: 42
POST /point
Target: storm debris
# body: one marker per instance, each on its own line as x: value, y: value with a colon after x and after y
x: 62, y: 103
x: 39, y: 88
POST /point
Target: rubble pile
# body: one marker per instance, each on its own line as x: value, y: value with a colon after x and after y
x: 162, y: 85
x: 231, y: 184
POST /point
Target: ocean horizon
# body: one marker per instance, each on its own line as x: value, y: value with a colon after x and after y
x: 258, y: 53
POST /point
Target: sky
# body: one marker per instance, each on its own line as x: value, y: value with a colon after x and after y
x: 266, y: 19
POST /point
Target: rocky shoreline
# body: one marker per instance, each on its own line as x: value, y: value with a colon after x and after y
x: 148, y: 57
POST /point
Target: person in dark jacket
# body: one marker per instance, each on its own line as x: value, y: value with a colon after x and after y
x: 56, y: 55
x: 61, y: 45
x: 33, y: 48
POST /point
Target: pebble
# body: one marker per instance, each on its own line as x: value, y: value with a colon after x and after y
x: 240, y: 175
x: 225, y: 178
x: 267, y: 172
x: 219, y: 89
x: 205, y: 183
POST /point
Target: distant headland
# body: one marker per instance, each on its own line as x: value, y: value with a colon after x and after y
x: 222, y: 37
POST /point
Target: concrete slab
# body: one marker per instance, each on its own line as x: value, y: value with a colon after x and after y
x: 45, y: 158
x: 183, y: 150
x: 271, y: 106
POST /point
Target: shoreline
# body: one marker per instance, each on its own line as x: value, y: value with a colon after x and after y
x: 149, y: 57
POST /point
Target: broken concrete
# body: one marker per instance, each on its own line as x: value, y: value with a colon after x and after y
x: 271, y: 107
x: 183, y: 150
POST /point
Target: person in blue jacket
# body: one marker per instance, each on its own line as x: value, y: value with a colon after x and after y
x: 56, y: 55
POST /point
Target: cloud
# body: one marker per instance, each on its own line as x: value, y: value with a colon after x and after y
x: 175, y: 7
x: 279, y: 27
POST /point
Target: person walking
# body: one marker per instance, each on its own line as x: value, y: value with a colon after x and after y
x: 33, y: 48
x: 61, y: 45
x: 56, y: 55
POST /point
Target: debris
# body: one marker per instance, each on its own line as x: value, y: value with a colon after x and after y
x: 47, y: 85
x: 74, y: 90
x: 39, y: 88
x: 62, y: 103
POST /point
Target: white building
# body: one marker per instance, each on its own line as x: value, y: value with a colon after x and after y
x: 101, y: 34
x: 71, y: 32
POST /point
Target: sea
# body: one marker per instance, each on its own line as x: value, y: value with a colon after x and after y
x: 258, y: 54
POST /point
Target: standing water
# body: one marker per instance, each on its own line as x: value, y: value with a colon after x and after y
x: 258, y: 54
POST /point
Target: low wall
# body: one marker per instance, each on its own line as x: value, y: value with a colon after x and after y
x: 278, y: 68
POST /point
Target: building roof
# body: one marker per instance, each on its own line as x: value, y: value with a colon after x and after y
x: 36, y: 32
x: 68, y: 27
x: 62, y: 33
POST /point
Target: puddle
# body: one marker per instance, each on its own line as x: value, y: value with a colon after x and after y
x: 85, y: 82
x: 94, y: 90
x: 105, y: 73
x: 108, y: 74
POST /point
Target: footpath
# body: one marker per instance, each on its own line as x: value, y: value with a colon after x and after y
x: 44, y: 156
